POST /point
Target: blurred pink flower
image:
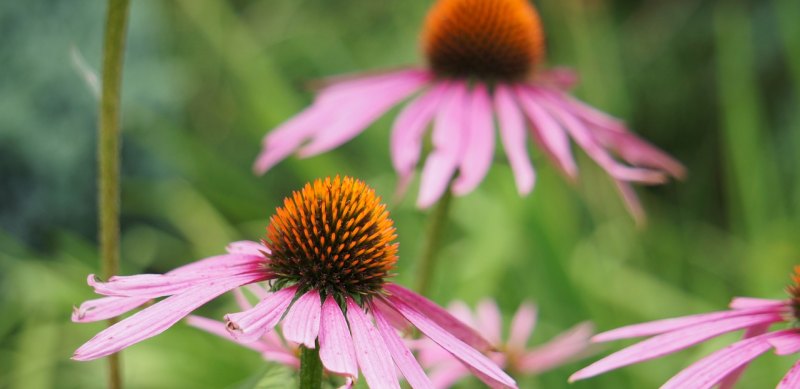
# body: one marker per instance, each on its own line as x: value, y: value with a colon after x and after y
x: 484, y: 63
x: 327, y: 253
x: 723, y: 367
x: 513, y: 353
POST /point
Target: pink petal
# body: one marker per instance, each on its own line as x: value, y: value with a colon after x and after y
x: 588, y: 113
x: 105, y: 308
x: 241, y: 299
x: 157, y: 318
x: 750, y: 303
x: 732, y: 378
x: 218, y: 328
x: 672, y: 341
x: 710, y: 370
x: 447, y: 375
x: 441, y: 317
x: 409, y: 128
x: 354, y: 113
x: 667, y: 325
x: 372, y: 354
x: 479, y: 147
x: 786, y: 344
x: 448, y: 141
x: 792, y: 379
x: 335, y: 342
x: 402, y: 356
x: 247, y: 247
x: 284, y: 140
x: 559, y: 77
x: 549, y: 134
x: 565, y: 348
x: 585, y: 139
x: 301, y: 324
x: 490, y: 321
x: 632, y: 203
x: 219, y: 263
x: 489, y: 372
x: 522, y: 326
x: 512, y: 134
x: 461, y: 311
x: 639, y: 152
x: 251, y: 324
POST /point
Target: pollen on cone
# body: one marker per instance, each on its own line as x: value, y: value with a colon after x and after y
x: 491, y: 39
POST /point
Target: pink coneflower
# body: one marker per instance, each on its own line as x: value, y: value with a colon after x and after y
x: 512, y: 353
x: 484, y: 62
x: 327, y: 254
x: 723, y: 367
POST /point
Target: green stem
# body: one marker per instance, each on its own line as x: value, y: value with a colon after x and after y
x: 310, y: 368
x: 427, y: 262
x: 108, y: 150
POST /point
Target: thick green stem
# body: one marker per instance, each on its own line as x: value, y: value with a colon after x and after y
x: 108, y: 151
x: 310, y: 368
x: 427, y: 262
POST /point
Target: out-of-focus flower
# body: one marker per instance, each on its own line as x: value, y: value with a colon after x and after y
x: 484, y: 62
x: 327, y: 254
x: 724, y: 367
x: 513, y: 353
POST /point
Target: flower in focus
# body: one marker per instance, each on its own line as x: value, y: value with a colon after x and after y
x: 484, y: 62
x: 327, y: 254
x: 723, y: 367
x: 512, y: 354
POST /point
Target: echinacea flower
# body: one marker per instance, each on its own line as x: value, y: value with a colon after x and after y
x: 753, y: 315
x: 484, y: 62
x: 512, y: 354
x: 327, y: 254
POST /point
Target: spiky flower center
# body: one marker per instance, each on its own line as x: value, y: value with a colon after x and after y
x: 794, y: 293
x: 487, y: 39
x: 334, y: 236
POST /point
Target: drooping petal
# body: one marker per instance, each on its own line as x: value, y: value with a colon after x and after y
x: 732, y: 378
x: 301, y: 324
x: 522, y: 325
x: 372, y: 354
x: 402, y: 356
x: 514, y: 139
x: 672, y: 341
x: 105, y: 308
x: 631, y: 201
x: 786, y: 344
x: 448, y: 146
x: 489, y: 372
x: 548, y: 133
x: 335, y: 342
x: 441, y: 317
x: 479, y: 147
x: 409, y: 129
x: 356, y: 112
x: 667, y: 325
x: 251, y: 324
x: 639, y: 152
x: 750, y: 303
x: 712, y: 369
x: 157, y: 318
x: 792, y: 378
x: 566, y: 347
x: 489, y: 320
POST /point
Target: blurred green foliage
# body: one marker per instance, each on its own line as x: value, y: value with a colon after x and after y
x: 716, y: 83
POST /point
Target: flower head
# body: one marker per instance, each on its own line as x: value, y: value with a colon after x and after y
x: 327, y: 255
x: 513, y: 353
x: 723, y: 367
x: 485, y: 65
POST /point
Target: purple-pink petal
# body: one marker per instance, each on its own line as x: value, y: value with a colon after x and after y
x: 301, y: 324
x: 284, y: 140
x: 732, y: 378
x: 522, y: 325
x: 441, y: 317
x: 490, y: 321
x: 487, y: 370
x: 335, y: 342
x: 548, y: 133
x: 756, y: 303
x: 448, y: 145
x: 157, y: 318
x: 712, y: 369
x: 105, y: 308
x: 672, y: 341
x: 400, y: 353
x: 792, y: 378
x: 251, y: 324
x: 247, y: 247
x: 479, y: 146
x: 372, y: 354
x: 631, y: 201
x: 409, y: 128
x: 514, y: 139
x: 786, y: 344
x: 566, y: 347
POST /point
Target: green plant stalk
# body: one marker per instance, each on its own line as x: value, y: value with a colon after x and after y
x: 310, y: 368
x: 108, y: 153
x: 427, y: 262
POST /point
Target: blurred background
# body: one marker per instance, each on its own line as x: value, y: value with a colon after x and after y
x: 715, y: 83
